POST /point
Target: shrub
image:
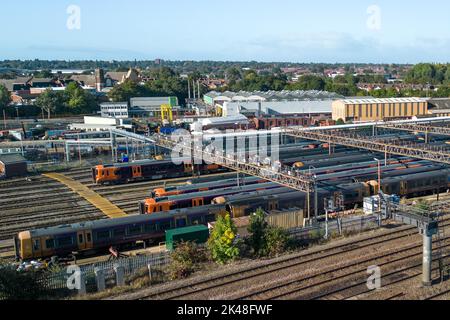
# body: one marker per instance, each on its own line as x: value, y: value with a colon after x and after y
x: 276, y: 241
x: 266, y: 240
x: 184, y: 260
x: 23, y: 285
x: 222, y: 241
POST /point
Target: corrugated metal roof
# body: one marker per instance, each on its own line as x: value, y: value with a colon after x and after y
x: 383, y: 100
x: 11, y: 158
x: 273, y: 95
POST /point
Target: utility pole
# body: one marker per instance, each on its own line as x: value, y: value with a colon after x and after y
x: 4, y: 119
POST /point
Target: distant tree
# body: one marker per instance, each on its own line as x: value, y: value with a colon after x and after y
x: 233, y: 74
x: 5, y: 96
x: 340, y: 122
x: 79, y: 100
x: 309, y: 82
x: 124, y: 91
x: 43, y: 74
x: 51, y: 101
x: 222, y: 241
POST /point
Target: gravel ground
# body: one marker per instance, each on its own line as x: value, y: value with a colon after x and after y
x: 336, y: 262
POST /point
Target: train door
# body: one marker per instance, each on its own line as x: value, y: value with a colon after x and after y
x: 187, y: 168
x: 403, y: 188
x: 37, y: 247
x: 81, y: 240
x: 198, y: 202
x: 88, y: 240
x: 137, y: 172
x: 273, y: 205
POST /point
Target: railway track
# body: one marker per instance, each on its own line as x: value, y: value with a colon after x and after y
x: 205, y: 285
x: 354, y: 280
x: 439, y: 296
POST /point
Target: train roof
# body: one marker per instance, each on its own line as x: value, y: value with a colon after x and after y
x: 217, y: 192
x: 111, y: 223
x: 420, y: 175
x: 145, y: 162
x: 214, y: 183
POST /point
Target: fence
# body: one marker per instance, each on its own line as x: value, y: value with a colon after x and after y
x: 58, y: 280
x: 352, y: 224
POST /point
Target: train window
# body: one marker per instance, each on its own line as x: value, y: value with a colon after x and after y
x: 118, y: 233
x: 134, y: 230
x: 150, y: 227
x: 103, y: 235
x: 210, y: 218
x: 67, y: 241
x: 37, y: 244
x: 88, y: 237
x: 196, y: 221
x: 50, y: 243
x: 165, y: 225
x: 80, y: 238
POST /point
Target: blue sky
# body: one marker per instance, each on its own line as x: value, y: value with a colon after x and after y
x: 402, y: 31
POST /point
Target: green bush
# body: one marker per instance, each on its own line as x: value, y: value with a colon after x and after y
x: 184, y: 260
x: 23, y: 285
x: 266, y: 240
x: 276, y: 241
x: 222, y: 241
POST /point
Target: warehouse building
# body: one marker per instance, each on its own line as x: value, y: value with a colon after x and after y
x: 359, y: 110
x: 272, y: 103
x: 439, y: 107
x: 151, y: 106
x: 12, y: 165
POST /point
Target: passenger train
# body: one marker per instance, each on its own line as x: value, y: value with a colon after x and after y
x: 99, y: 235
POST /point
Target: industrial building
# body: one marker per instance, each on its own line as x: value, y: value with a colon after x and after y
x: 358, y: 110
x: 114, y: 109
x: 272, y: 103
x: 12, y: 165
x: 151, y: 106
x: 221, y: 123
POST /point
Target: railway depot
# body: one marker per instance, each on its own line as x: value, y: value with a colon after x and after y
x: 317, y: 189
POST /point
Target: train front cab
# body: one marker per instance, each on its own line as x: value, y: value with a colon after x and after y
x: 28, y: 247
x: 104, y: 175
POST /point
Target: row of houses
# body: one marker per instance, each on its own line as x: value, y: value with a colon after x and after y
x: 24, y: 90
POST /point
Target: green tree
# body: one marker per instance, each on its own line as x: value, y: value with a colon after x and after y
x: 5, y: 97
x: 309, y: 82
x: 51, y: 101
x: 79, y: 100
x: 257, y: 229
x: 265, y: 240
x: 124, y: 91
x: 222, y: 241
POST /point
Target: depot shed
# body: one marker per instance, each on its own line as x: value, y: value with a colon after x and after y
x: 198, y: 234
x: 12, y: 165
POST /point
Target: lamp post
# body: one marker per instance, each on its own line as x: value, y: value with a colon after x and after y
x: 379, y: 174
x: 316, y: 208
x: 379, y: 188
